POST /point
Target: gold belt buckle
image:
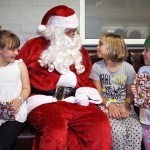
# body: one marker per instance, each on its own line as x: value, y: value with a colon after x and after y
x: 60, y: 92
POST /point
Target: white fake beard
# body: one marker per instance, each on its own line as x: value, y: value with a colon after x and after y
x: 63, y: 51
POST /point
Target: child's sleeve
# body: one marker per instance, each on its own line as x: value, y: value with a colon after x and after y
x: 131, y: 74
x: 94, y: 73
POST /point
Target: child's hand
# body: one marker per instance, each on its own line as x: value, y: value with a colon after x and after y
x: 125, y: 110
x: 15, y: 104
x: 133, y: 89
x: 114, y: 111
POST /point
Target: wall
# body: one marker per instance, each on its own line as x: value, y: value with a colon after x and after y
x: 24, y: 16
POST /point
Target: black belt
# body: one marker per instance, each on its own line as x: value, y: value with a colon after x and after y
x: 60, y: 92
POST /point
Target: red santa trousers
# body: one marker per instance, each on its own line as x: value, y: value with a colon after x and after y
x: 67, y: 126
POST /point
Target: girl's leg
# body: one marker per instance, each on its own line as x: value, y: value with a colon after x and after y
x: 126, y: 133
x: 8, y: 134
x: 134, y: 133
x: 146, y: 136
x: 118, y: 131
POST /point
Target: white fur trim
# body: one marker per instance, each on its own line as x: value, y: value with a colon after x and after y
x: 92, y: 93
x: 65, y: 22
x: 41, y: 28
x: 37, y: 100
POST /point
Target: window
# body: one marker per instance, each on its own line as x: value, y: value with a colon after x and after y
x: 129, y: 18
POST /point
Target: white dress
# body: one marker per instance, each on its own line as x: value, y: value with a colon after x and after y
x: 11, y: 87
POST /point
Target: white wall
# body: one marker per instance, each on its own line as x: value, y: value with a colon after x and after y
x: 23, y: 16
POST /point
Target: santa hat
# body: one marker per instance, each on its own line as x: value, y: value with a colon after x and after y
x: 147, y: 42
x: 59, y: 16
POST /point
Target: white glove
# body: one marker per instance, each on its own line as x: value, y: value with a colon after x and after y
x: 69, y: 80
x: 70, y: 99
x: 92, y: 93
x: 82, y: 99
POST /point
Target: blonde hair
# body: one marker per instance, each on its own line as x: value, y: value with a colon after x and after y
x: 116, y: 48
x: 8, y: 40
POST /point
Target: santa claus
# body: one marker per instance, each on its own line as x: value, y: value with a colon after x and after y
x: 62, y: 105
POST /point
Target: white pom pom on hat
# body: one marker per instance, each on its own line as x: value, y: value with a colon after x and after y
x: 41, y: 28
x: 59, y: 16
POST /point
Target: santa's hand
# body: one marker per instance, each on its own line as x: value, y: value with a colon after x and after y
x: 68, y: 80
x: 70, y: 99
x: 82, y: 99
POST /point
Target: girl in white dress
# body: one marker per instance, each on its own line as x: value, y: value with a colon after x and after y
x: 14, y: 90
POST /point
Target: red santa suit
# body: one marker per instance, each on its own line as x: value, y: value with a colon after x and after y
x: 63, y: 125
